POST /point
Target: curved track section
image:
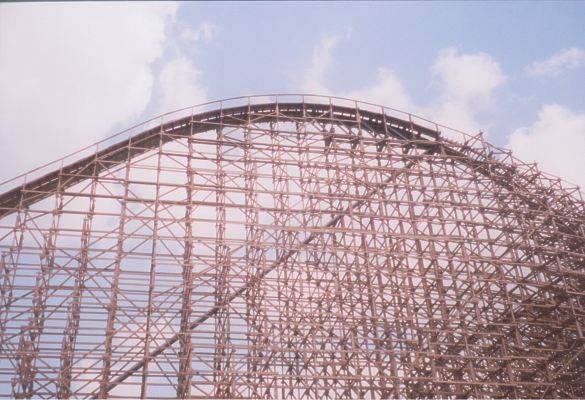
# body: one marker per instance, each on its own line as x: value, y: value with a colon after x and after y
x: 233, y: 117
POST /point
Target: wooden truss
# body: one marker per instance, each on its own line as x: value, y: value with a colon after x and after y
x: 291, y: 246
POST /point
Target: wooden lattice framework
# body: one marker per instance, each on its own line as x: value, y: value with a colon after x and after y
x: 291, y: 246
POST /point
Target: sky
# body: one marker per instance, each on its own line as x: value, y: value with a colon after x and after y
x: 72, y: 74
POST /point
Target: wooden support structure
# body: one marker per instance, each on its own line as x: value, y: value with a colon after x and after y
x: 292, y: 246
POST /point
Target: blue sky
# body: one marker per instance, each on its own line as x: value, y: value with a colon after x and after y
x: 76, y: 73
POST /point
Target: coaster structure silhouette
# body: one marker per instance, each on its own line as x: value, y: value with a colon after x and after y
x: 293, y: 246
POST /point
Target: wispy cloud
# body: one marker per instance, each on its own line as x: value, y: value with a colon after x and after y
x: 466, y: 83
x: 321, y: 61
x: 558, y: 63
x: 179, y: 82
x: 180, y: 85
x: 387, y: 89
x: 205, y: 33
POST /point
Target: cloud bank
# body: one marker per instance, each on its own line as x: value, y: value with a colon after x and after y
x: 73, y: 71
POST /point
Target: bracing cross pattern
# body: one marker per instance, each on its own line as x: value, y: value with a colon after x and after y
x: 291, y: 246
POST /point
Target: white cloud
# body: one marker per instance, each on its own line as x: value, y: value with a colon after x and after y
x: 454, y: 114
x: 469, y: 78
x: 466, y: 83
x: 555, y: 141
x: 467, y: 87
x: 564, y: 60
x: 205, y: 33
x: 69, y: 72
x: 180, y: 86
x: 321, y: 61
x: 386, y: 91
